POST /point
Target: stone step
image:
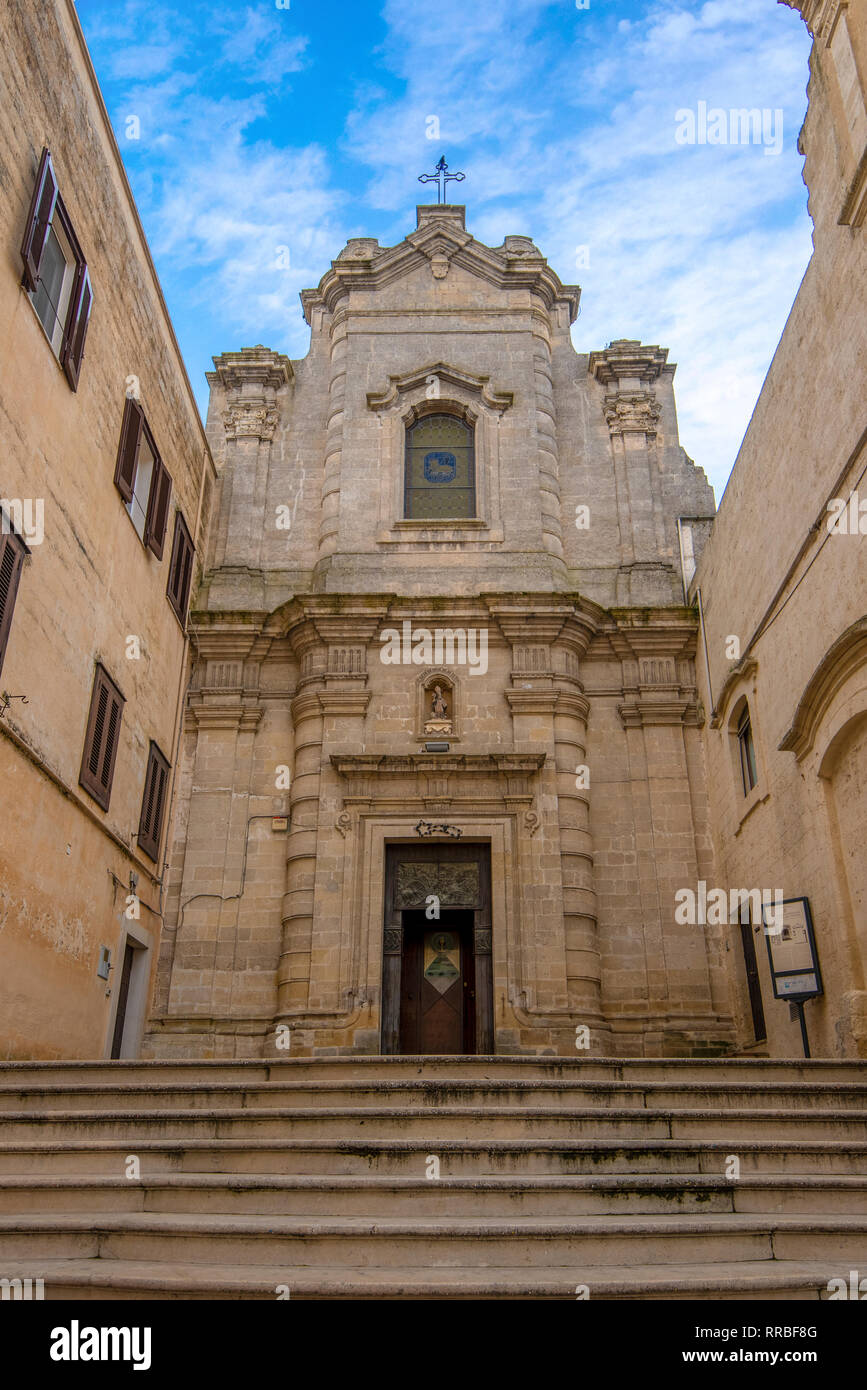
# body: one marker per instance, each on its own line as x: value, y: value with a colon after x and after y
x: 81, y: 1280
x: 106, y: 1157
x: 365, y: 1069
x: 431, y: 1124
x: 433, y: 1242
x: 426, y: 1092
x: 488, y: 1196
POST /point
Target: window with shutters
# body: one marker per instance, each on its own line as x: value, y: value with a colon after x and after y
x: 55, y: 272
x: 142, y: 479
x: 12, y: 552
x: 181, y: 569
x: 101, y: 738
x: 153, y: 803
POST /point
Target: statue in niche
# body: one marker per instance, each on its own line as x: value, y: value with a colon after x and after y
x: 439, y: 721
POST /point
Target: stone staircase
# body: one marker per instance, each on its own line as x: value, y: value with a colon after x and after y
x: 555, y: 1174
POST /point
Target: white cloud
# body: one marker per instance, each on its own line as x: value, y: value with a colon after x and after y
x: 700, y: 249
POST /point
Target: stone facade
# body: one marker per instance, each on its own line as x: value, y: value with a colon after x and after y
x: 571, y: 754
x: 792, y: 590
x: 88, y: 583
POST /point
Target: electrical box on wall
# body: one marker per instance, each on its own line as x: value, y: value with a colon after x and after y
x: 104, y: 965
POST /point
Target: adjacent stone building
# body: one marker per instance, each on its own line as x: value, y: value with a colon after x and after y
x: 443, y: 664
x: 104, y: 482
x: 785, y: 574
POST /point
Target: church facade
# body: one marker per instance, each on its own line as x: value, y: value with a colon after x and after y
x: 442, y: 774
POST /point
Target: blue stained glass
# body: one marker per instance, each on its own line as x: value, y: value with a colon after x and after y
x: 440, y: 467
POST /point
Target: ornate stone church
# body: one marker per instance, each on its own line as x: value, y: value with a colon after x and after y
x: 441, y: 773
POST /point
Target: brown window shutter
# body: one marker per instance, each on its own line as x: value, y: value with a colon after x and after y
x: 39, y: 220
x: 76, y: 327
x: 127, y: 451
x: 158, y: 510
x: 11, y: 561
x: 153, y: 803
x: 181, y: 569
x: 102, y: 738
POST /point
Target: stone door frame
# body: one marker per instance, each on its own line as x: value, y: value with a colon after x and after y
x: 441, y: 852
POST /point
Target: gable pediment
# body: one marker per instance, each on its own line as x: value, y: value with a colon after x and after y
x: 439, y: 242
x: 467, y: 383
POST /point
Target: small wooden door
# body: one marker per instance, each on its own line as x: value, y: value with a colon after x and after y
x: 122, y: 1000
x: 437, y: 1011
x: 754, y: 984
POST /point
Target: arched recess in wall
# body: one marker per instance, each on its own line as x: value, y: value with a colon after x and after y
x: 843, y: 768
x: 828, y: 736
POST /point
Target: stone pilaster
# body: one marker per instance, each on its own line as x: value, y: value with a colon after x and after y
x: 632, y: 411
x: 659, y: 712
x: 254, y: 382
x: 546, y: 435
x: 328, y: 713
x: 329, y: 526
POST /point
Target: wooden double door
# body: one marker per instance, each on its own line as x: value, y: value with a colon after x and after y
x: 437, y: 975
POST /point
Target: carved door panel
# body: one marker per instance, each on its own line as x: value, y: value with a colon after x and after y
x: 437, y: 1015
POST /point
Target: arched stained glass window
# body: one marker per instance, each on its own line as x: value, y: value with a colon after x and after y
x: 440, y: 469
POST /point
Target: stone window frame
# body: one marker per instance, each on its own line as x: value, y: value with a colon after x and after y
x: 745, y: 801
x: 400, y: 408
x: 463, y: 417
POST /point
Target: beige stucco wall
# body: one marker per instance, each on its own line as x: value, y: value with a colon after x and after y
x: 90, y: 583
x: 795, y: 596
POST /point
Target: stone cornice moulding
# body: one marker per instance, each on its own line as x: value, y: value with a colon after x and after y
x: 440, y: 240
x: 654, y: 634
x: 469, y: 382
x: 570, y: 619
x: 221, y: 641
x: 224, y: 715
x: 820, y: 16
x: 627, y: 360
x: 842, y: 659
x: 257, y: 367
x: 400, y: 764
x: 344, y: 702
x: 644, y: 713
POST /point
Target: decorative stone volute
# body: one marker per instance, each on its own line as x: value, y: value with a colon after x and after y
x: 251, y: 379
x: 631, y: 369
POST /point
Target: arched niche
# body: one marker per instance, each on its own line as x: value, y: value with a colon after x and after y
x: 436, y: 687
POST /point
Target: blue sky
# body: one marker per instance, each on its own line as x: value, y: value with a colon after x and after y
x: 269, y: 133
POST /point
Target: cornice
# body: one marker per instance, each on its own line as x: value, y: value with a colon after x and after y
x: 627, y: 359
x: 644, y: 712
x: 226, y: 714
x: 399, y: 764
x: 256, y: 366
x: 819, y: 16
x: 532, y: 701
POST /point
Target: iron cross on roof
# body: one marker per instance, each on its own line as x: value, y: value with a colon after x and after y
x: 441, y: 178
